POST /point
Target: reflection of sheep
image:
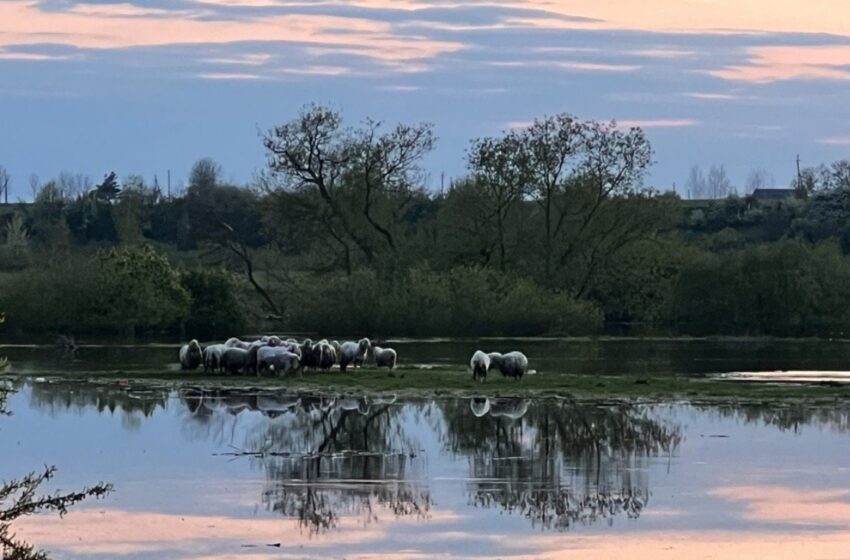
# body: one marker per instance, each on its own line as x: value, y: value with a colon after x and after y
x: 277, y: 360
x: 512, y: 364
x: 361, y: 405
x: 479, y: 406
x: 353, y: 352
x: 234, y: 360
x: 509, y: 408
x: 212, y: 356
x: 236, y: 343
x: 479, y: 364
x: 191, y: 355
x: 384, y: 399
x: 384, y: 357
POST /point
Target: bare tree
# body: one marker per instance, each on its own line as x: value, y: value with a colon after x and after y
x: 359, y: 181
x: 718, y: 184
x: 5, y: 179
x: 758, y: 179
x: 34, y: 185
x: 695, y: 184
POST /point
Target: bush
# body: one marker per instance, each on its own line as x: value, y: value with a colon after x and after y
x: 780, y: 289
x: 118, y: 291
x: 215, y: 307
x: 465, y: 301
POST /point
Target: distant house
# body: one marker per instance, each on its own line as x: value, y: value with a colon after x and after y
x: 773, y: 193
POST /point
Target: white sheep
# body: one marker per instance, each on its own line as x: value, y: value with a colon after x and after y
x: 277, y: 360
x: 353, y: 352
x: 384, y: 357
x: 512, y: 364
x: 191, y: 355
x: 236, y: 343
x: 480, y: 365
x: 234, y: 360
x: 212, y: 356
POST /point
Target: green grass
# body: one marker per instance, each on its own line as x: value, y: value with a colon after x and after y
x: 456, y: 382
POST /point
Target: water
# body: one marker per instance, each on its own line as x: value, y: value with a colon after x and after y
x: 613, y: 356
x: 226, y: 474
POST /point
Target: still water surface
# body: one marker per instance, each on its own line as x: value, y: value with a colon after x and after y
x: 611, y: 356
x: 251, y: 475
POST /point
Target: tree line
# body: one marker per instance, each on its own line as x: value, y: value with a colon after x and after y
x: 551, y: 231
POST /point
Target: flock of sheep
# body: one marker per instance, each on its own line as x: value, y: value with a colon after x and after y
x: 274, y: 355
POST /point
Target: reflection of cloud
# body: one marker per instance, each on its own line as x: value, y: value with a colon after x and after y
x: 676, y: 545
x: 791, y: 505
x: 117, y: 532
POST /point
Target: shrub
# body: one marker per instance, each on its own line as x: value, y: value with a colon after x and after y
x: 215, y: 307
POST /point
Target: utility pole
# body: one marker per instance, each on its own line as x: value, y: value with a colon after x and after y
x: 799, y: 175
x: 169, y: 184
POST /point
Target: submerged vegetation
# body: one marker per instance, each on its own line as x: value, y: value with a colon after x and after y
x: 552, y: 231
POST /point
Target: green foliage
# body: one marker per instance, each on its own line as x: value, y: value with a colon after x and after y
x: 119, y: 291
x: 216, y: 308
x: 425, y: 302
x: 14, y: 250
x: 783, y: 289
x: 139, y: 289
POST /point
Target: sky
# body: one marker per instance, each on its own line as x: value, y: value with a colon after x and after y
x: 149, y: 86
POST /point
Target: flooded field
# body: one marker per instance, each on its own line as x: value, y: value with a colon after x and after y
x: 602, y: 357
x: 217, y: 474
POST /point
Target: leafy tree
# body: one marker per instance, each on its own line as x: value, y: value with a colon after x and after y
x: 216, y: 306
x: 205, y: 174
x: 500, y: 167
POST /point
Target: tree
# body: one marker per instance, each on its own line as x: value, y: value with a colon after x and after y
x: 358, y: 182
x: 696, y: 185
x: 758, y: 179
x: 5, y: 179
x: 552, y: 145
x: 206, y: 173
x: 500, y: 167
x: 718, y: 184
x: 108, y: 190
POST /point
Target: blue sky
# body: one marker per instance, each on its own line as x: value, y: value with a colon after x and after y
x: 144, y: 87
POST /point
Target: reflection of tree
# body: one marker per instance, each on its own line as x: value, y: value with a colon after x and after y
x: 324, y: 457
x: 793, y: 416
x: 557, y: 463
x: 133, y: 402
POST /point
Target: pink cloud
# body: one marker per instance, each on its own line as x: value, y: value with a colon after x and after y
x: 119, y: 26
x: 656, y: 123
x: 776, y: 63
